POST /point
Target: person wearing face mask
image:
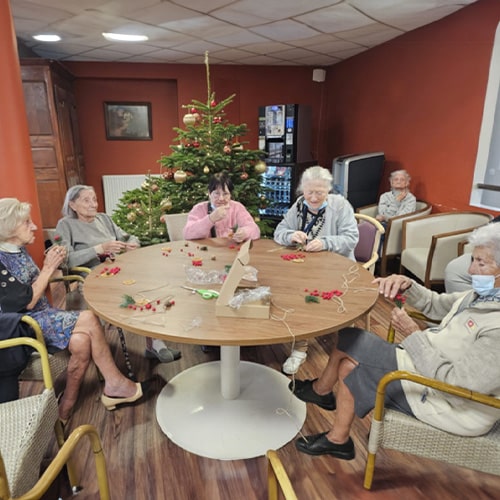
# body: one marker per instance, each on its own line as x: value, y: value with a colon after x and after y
x: 462, y: 350
x: 456, y: 272
x: 317, y: 221
x: 221, y: 217
x: 397, y: 201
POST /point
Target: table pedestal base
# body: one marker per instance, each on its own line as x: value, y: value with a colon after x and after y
x: 193, y: 414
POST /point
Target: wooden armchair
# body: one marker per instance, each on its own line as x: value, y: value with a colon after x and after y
x: 26, y: 427
x: 277, y: 478
x: 430, y: 242
x: 391, y: 246
x: 395, y: 430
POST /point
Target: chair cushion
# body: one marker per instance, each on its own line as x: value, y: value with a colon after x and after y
x: 364, y: 249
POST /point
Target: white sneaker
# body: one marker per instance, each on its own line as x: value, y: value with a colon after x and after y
x: 292, y: 364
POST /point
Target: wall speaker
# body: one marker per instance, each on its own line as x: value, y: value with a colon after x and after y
x: 319, y: 75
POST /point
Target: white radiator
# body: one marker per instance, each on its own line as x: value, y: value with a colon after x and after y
x: 115, y: 185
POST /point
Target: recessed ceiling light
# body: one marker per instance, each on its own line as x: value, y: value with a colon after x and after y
x: 47, y: 38
x: 124, y: 38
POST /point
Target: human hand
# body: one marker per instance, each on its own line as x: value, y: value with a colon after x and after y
x: 113, y: 247
x: 219, y: 213
x: 54, y: 257
x: 390, y: 286
x: 402, y: 195
x: 239, y: 235
x: 380, y: 217
x: 299, y: 237
x: 314, y: 246
x: 402, y: 322
x: 132, y: 245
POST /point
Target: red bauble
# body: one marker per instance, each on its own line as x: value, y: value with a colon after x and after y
x: 213, y: 104
x: 244, y: 176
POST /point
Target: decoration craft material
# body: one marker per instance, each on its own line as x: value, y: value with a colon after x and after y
x: 294, y: 257
x: 107, y: 272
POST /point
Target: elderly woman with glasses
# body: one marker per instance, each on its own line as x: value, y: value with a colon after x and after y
x: 221, y: 216
x: 317, y: 221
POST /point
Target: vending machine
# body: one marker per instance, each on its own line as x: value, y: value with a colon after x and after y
x: 285, y: 136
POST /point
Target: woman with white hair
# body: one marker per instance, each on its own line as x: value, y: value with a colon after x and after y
x: 462, y: 350
x: 79, y: 331
x: 90, y: 237
x: 397, y: 201
x: 317, y: 221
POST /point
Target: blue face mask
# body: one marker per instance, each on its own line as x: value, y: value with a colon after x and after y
x: 323, y: 205
x: 483, y: 284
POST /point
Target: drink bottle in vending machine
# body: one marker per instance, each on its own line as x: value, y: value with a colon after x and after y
x: 285, y: 136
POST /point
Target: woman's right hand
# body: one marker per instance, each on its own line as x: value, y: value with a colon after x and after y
x: 218, y: 214
x: 299, y: 237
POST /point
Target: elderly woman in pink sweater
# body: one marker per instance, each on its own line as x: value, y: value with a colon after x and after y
x: 220, y: 216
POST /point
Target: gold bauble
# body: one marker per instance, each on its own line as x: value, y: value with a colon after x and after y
x: 131, y: 216
x: 260, y: 167
x: 189, y: 119
x: 206, y: 170
x: 180, y: 176
x: 166, y: 204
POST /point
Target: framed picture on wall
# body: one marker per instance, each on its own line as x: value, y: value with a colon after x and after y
x: 128, y: 121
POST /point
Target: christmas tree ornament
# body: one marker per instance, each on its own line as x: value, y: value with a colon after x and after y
x: 166, y: 204
x: 244, y: 176
x: 260, y: 167
x: 213, y: 103
x: 189, y: 119
x: 206, y: 170
x: 217, y: 119
x: 180, y: 176
x: 227, y: 149
x: 131, y: 216
x: 154, y: 188
x: 238, y: 146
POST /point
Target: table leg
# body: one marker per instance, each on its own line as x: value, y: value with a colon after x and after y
x: 230, y: 371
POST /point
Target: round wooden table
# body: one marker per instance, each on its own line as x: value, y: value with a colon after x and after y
x: 229, y: 409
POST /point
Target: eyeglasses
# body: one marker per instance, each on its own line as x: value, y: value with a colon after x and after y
x: 318, y: 194
x: 220, y: 194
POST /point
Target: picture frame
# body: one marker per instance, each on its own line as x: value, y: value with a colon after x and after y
x: 128, y: 121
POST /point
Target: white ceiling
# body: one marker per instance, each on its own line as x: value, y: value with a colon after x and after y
x: 248, y: 32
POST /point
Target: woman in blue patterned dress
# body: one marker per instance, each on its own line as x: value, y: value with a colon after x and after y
x: 79, y: 331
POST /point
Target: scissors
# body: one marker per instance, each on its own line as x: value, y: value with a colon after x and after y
x: 206, y: 294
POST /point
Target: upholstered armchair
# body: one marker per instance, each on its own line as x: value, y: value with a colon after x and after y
x: 391, y: 246
x: 430, y: 242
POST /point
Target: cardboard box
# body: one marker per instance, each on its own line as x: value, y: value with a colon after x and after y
x: 259, y: 309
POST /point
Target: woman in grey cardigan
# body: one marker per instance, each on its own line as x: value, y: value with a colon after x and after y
x: 317, y: 221
x: 90, y: 237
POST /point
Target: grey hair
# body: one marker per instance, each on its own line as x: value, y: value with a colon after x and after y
x: 487, y: 236
x: 396, y: 172
x: 73, y: 194
x: 12, y: 213
x: 315, y: 173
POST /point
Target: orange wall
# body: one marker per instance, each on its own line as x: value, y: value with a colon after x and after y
x: 419, y: 98
x: 168, y: 87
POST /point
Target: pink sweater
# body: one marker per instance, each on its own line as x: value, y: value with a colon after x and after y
x: 199, y: 225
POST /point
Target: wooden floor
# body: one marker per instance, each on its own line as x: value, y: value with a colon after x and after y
x: 144, y: 464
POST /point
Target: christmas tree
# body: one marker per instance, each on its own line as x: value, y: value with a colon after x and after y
x: 208, y: 144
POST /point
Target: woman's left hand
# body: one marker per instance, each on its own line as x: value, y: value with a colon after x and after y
x: 402, y: 322
x: 239, y: 235
x: 314, y: 246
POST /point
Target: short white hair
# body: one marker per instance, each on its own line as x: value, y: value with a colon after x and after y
x: 487, y: 236
x: 12, y: 213
x: 315, y: 173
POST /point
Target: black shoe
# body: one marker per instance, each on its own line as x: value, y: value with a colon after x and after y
x: 318, y: 444
x: 210, y: 348
x: 304, y: 391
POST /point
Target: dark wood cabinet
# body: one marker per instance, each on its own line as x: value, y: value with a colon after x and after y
x: 53, y: 127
